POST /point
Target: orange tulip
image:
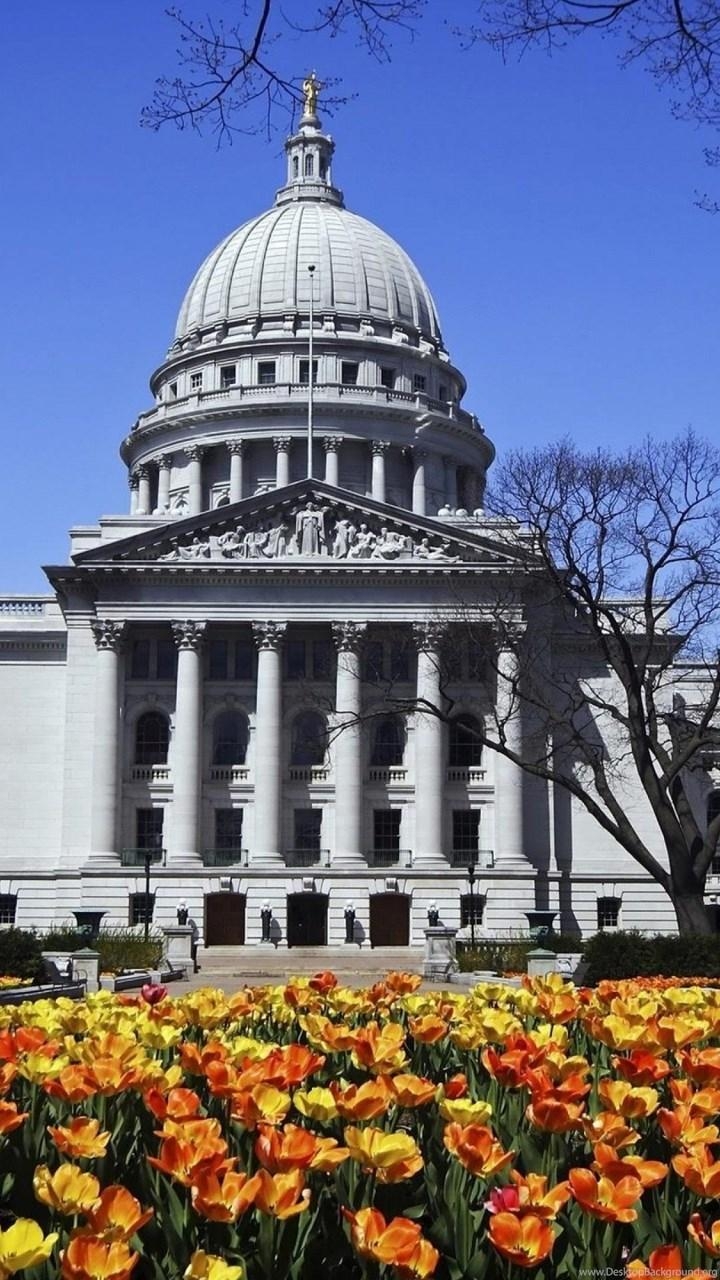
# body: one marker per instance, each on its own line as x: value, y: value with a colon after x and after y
x: 686, y: 1130
x: 398, y: 1243
x: 282, y: 1195
x: 701, y: 1065
x: 179, y: 1104
x: 67, y: 1190
x: 108, y: 1076
x: 118, y: 1215
x: 534, y: 1196
x: 8, y: 1072
x: 428, y: 1029
x: 456, y: 1086
x: 379, y: 1049
x: 196, y: 1060
x: 697, y: 1232
x: 323, y: 982
x: 525, y: 1241
x: 633, y: 1103
x: 699, y: 1171
x: 412, y: 1091
x: 224, y: 1199
x: 391, y: 1156
x: 641, y: 1068
x: 81, y: 1138
x: 703, y: 1102
x: 92, y: 1258
x: 609, y: 1127
x: 402, y: 984
x: 649, y: 1172
x: 610, y: 1201
x: 477, y: 1148
x: 328, y: 1155
x: 184, y: 1160
x: 10, y: 1117
x: 365, y: 1101
x: 280, y: 1152
x: 554, y: 1116
x: 263, y: 1104
x: 665, y: 1261
x: 289, y: 1066
x: 70, y: 1085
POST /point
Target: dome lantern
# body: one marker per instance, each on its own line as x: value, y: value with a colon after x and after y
x: 309, y: 156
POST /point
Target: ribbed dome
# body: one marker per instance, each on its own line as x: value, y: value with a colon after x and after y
x: 262, y: 269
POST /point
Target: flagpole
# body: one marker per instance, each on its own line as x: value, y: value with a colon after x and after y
x: 311, y: 380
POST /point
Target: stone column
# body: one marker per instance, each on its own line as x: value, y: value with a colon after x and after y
x: 331, y: 445
x: 379, y: 449
x: 471, y: 489
x: 429, y: 747
x: 451, y: 487
x: 195, y: 498
x: 282, y: 460
x: 134, y: 483
x: 418, y: 488
x: 143, y: 504
x: 163, y: 497
x: 103, y: 839
x: 235, y: 449
x: 509, y: 849
x: 187, y: 745
x: 268, y: 637
x: 347, y: 750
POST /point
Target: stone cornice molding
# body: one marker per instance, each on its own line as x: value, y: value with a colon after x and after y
x: 268, y: 635
x: 429, y: 636
x: 108, y: 634
x: 189, y: 634
x: 348, y: 636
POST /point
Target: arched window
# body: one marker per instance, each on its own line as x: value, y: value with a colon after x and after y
x: 230, y: 738
x: 388, y: 742
x: 152, y: 736
x: 296, y: 167
x: 465, y: 742
x: 309, y: 739
x: 309, y: 165
x: 713, y: 806
x: 323, y: 168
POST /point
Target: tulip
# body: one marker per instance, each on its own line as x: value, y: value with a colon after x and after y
x: 224, y: 1199
x: 290, y: 1066
x: 665, y: 1261
x: 534, y: 1196
x: 24, y: 1245
x: 282, y: 1195
x: 178, y: 1104
x: 642, y: 1068
x: 701, y: 1065
x: 10, y: 1117
x: 280, y: 1152
x: 118, y: 1215
x: 609, y: 1127
x: 402, y: 984
x: 456, y: 1086
x: 465, y: 1112
x: 699, y: 1171
x: 8, y: 1072
x: 316, y: 1104
x: 89, y: 1257
x: 68, y: 1190
x: 697, y: 1232
x: 633, y: 1103
x: 428, y: 1029
x: 379, y: 1049
x: 391, y: 1156
x: 650, y: 1172
x: 610, y: 1201
x: 553, y: 1115
x: 398, y: 1243
x: 184, y: 1160
x: 525, y: 1241
x: 208, y: 1266
x: 365, y: 1101
x: 263, y: 1104
x: 686, y: 1130
x: 323, y: 982
x: 477, y: 1148
x: 152, y: 992
x: 412, y: 1091
x: 81, y: 1139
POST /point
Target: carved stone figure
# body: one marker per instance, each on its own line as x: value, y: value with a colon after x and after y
x: 345, y: 533
x: 363, y: 544
x: 230, y: 543
x: 310, y: 530
x: 389, y: 545
x: 277, y: 540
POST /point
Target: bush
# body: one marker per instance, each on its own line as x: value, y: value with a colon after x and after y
x: 120, y: 949
x: 509, y: 955
x: 631, y: 954
x: 20, y: 953
x: 65, y: 938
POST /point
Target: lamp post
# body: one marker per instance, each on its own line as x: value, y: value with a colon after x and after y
x: 471, y: 881
x: 148, y: 860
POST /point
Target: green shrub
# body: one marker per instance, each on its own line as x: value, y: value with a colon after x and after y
x: 64, y: 938
x: 20, y: 953
x: 123, y: 949
x: 631, y: 954
x: 505, y: 955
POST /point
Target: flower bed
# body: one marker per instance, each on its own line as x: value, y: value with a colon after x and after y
x: 309, y: 1131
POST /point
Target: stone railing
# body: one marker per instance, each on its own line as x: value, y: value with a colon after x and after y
x: 482, y: 858
x: 471, y: 774
x: 307, y: 857
x: 225, y: 857
x: 387, y: 773
x: 309, y: 772
x: 389, y: 857
x: 229, y: 773
x: 23, y: 606
x: 150, y: 773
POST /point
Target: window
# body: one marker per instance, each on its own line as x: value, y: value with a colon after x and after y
x: 465, y: 742
x: 166, y: 654
x: 309, y: 166
x: 373, y: 666
x: 308, y: 825
x: 266, y: 372
x: 244, y: 660
x: 323, y: 168
x: 296, y: 167
x: 218, y: 659
x: 140, y: 660
x: 472, y: 909
x: 153, y: 659
x: 305, y: 372
x: 323, y: 660
x: 8, y: 907
x: 399, y: 661
x: 295, y: 659
x: 230, y: 738
x: 349, y: 373
x: 387, y: 377
x: 142, y: 906
x: 228, y: 375
x: 442, y: 392
x: 608, y: 913
x: 196, y: 381
x: 152, y: 738
x: 149, y: 828
x: 418, y: 382
x: 172, y: 391
x: 309, y: 739
x: 228, y: 829
x: 388, y: 742
x: 386, y: 830
x: 466, y: 830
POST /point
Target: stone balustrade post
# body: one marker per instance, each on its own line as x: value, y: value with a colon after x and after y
x: 236, y: 449
x: 347, y: 749
x: 268, y: 637
x: 429, y: 746
x: 194, y: 454
x: 331, y: 445
x: 109, y: 637
x: 183, y: 847
x: 379, y: 449
x: 282, y: 445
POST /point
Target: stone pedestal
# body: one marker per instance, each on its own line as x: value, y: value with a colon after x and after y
x: 541, y: 962
x: 85, y: 967
x: 179, y: 946
x: 440, y: 959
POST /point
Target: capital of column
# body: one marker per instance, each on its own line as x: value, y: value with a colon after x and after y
x: 235, y: 446
x: 188, y: 634
x: 164, y: 460
x: 379, y: 447
x: 141, y: 472
x: 348, y: 636
x: 281, y: 444
x: 429, y: 636
x: 108, y: 634
x: 331, y: 444
x: 268, y: 635
x: 134, y: 480
x: 194, y: 452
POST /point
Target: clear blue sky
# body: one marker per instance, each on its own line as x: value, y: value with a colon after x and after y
x: 549, y: 204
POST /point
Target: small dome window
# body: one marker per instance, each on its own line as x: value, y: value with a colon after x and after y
x: 323, y: 168
x: 296, y: 167
x: 309, y: 165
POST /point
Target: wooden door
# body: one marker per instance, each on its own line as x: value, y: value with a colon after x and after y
x: 307, y: 919
x: 224, y: 919
x: 389, y: 920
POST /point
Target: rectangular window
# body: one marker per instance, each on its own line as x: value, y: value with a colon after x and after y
x: 8, y: 907
x: 166, y: 660
x: 308, y: 824
x: 466, y: 830
x: 476, y: 664
x: 141, y: 908
x: 172, y: 391
x: 149, y: 828
x: 196, y: 381
x: 218, y: 659
x: 228, y: 829
x: 322, y: 659
x: 244, y: 660
x: 399, y: 661
x: 386, y: 830
x: 349, y: 373
x: 387, y: 377
x: 228, y: 375
x: 608, y: 913
x: 295, y: 659
x: 418, y: 382
x: 266, y: 372
x: 472, y: 909
x: 373, y: 666
x: 305, y: 372
x: 140, y: 660
x: 442, y: 392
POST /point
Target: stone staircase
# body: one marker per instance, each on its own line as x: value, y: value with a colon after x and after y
x: 367, y: 965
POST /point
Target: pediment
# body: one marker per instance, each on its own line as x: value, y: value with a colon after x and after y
x: 306, y: 522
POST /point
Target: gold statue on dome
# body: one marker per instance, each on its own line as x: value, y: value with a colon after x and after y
x: 311, y: 88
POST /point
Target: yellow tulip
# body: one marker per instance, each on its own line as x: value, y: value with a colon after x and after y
x: 67, y: 1190
x: 208, y: 1266
x: 391, y: 1156
x: 316, y: 1104
x: 463, y: 1111
x: 24, y: 1245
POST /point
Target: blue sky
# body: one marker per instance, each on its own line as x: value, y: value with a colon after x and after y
x: 548, y: 203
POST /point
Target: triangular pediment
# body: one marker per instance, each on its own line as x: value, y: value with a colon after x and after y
x: 309, y: 521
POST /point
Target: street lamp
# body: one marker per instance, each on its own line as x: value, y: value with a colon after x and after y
x: 471, y: 880
x: 148, y: 859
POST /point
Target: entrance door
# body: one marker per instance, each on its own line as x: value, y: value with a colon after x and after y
x: 389, y: 920
x: 307, y: 919
x: 224, y: 919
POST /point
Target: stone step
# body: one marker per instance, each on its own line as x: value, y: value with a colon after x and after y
x: 374, y: 962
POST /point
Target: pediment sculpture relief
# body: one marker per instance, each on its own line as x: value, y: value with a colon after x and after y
x: 309, y: 532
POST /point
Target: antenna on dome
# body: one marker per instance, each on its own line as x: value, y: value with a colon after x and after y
x: 311, y: 376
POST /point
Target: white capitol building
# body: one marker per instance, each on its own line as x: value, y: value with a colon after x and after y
x: 182, y: 688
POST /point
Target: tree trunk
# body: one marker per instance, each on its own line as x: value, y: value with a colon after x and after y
x: 692, y: 914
